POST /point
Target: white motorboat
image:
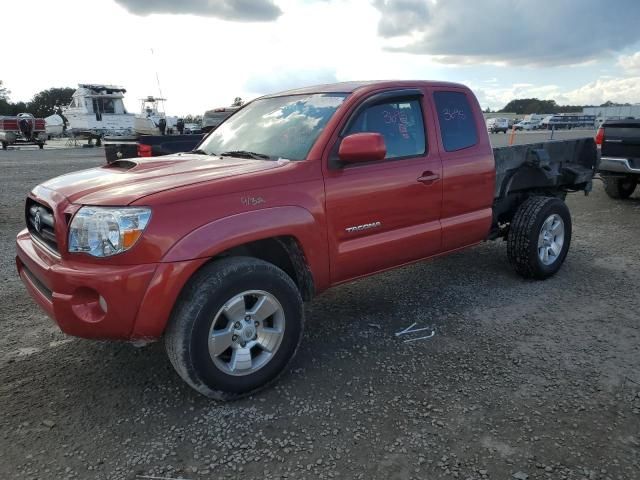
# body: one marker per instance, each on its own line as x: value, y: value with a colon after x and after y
x: 97, y: 110
x: 54, y: 125
x: 152, y: 120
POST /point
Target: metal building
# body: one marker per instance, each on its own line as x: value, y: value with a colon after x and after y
x: 612, y: 113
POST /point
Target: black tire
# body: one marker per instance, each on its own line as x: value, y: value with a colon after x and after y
x: 41, y: 146
x: 525, y: 228
x: 620, y: 187
x: 4, y: 145
x: 186, y: 337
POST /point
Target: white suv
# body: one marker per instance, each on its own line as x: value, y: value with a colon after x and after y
x: 526, y: 125
x: 495, y: 125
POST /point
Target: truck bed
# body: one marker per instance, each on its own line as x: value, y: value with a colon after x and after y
x: 160, y: 145
x: 566, y: 164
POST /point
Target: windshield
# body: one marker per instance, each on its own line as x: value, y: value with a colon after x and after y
x: 278, y: 127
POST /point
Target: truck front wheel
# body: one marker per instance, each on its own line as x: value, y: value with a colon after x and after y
x: 620, y: 187
x: 539, y: 237
x: 235, y: 328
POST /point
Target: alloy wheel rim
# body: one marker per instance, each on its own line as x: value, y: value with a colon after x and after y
x: 551, y: 239
x: 246, y: 332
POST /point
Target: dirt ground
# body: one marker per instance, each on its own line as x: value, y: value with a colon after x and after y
x: 523, y: 379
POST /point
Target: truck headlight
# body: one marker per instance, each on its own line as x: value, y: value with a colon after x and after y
x: 106, y: 231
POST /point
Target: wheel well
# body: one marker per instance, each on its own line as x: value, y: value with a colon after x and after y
x: 285, y: 253
x: 505, y: 208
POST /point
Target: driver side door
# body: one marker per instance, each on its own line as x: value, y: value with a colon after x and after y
x: 385, y: 213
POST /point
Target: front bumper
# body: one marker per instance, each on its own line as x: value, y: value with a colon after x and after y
x: 92, y: 300
x: 620, y: 165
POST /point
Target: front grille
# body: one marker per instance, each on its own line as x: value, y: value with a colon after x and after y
x: 41, y: 223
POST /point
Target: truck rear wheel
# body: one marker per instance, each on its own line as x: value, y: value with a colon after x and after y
x: 620, y: 187
x: 539, y: 237
x: 235, y: 328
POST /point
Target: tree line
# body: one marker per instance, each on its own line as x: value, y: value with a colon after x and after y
x: 42, y: 104
x: 526, y: 106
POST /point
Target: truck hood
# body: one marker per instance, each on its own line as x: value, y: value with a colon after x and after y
x: 126, y: 181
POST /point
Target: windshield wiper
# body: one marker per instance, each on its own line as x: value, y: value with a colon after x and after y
x: 245, y: 154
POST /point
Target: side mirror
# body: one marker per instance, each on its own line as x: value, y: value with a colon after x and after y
x: 362, y: 147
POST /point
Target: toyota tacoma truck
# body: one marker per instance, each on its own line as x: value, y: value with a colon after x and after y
x: 216, y: 250
x: 619, y: 143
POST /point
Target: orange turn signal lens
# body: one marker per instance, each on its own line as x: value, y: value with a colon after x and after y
x: 130, y: 237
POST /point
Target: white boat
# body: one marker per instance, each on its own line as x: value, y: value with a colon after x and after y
x: 152, y: 120
x: 54, y: 125
x: 97, y: 110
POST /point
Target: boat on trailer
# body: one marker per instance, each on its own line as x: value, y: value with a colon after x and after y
x: 22, y: 129
x: 152, y: 119
x: 97, y: 110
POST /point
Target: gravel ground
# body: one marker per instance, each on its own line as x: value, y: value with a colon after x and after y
x: 525, y: 380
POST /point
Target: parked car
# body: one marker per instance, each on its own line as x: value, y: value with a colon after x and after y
x: 217, y: 250
x: 536, y: 118
x: 619, y: 142
x: 526, y: 125
x: 192, y: 128
x: 496, y: 125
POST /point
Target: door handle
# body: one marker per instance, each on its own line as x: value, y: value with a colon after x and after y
x: 428, y: 178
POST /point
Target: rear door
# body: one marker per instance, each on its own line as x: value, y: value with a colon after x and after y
x: 468, y: 168
x: 385, y: 213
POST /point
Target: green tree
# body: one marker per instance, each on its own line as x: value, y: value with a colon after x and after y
x: 525, y: 106
x: 609, y: 103
x: 44, y: 103
x: 193, y: 119
x: 4, y: 92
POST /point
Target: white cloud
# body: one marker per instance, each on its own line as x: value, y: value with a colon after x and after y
x: 496, y: 97
x: 620, y: 90
x: 630, y: 63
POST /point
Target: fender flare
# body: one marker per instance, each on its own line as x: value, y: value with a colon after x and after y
x: 225, y: 233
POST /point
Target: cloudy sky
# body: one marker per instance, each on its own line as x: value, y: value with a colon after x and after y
x: 206, y: 52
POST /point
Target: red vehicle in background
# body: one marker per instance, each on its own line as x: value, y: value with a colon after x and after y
x: 217, y: 249
x: 22, y: 129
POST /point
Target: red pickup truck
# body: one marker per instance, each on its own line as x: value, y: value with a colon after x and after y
x: 216, y: 250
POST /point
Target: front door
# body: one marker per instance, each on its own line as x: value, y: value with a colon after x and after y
x: 385, y: 213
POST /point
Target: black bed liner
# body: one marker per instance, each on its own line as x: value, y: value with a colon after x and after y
x: 560, y: 164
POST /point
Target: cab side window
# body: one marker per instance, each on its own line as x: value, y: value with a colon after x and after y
x: 457, y: 123
x: 399, y: 122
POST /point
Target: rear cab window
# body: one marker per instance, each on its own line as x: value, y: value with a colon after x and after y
x: 456, y: 119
